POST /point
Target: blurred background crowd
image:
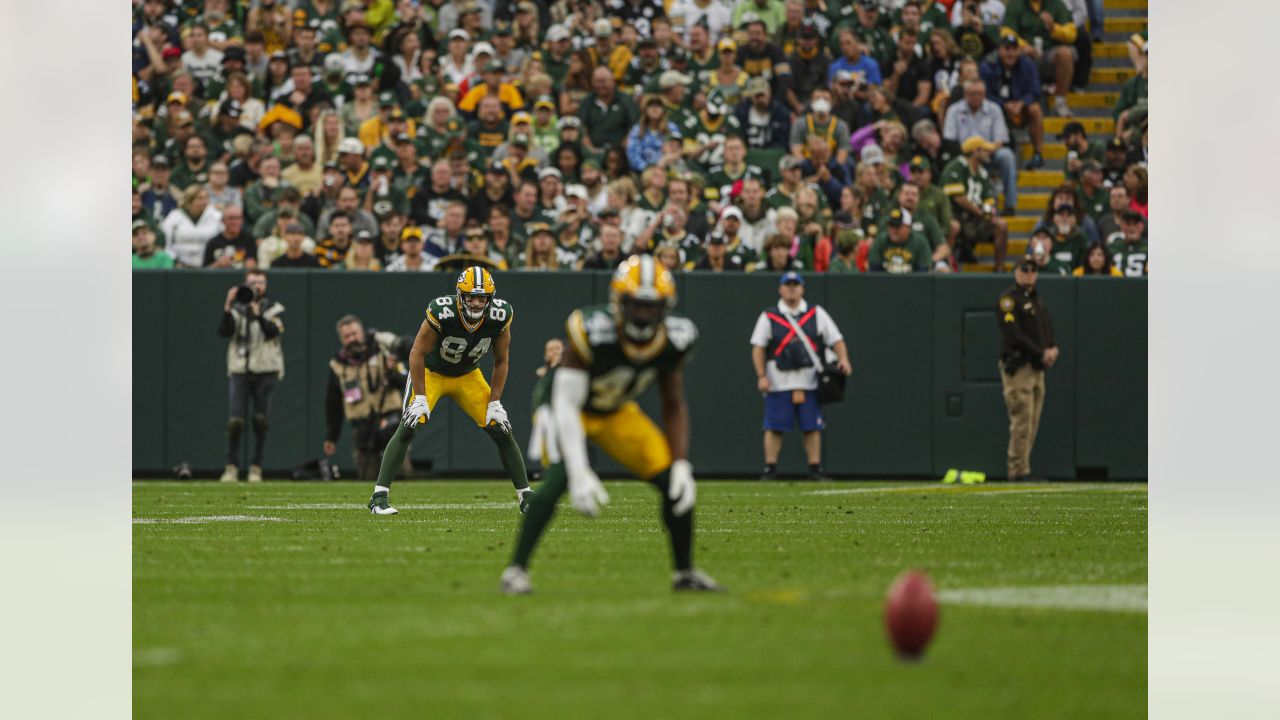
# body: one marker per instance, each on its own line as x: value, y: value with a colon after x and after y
x: 838, y: 136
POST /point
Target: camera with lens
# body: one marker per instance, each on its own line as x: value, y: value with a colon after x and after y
x: 245, y: 295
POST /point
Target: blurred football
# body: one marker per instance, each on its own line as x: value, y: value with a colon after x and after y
x: 910, y: 613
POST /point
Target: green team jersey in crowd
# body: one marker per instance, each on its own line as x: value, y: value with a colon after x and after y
x: 924, y: 226
x: 1025, y: 20
x: 958, y: 179
x: 935, y: 204
x: 432, y: 143
x: 776, y: 197
x: 700, y: 129
x: 460, y: 349
x: 619, y: 373
x: 720, y: 181
x: 1129, y: 258
x: 912, y: 256
x: 1066, y: 254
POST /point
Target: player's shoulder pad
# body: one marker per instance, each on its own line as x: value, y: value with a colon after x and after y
x: 681, y: 332
x: 440, y: 308
x: 502, y: 311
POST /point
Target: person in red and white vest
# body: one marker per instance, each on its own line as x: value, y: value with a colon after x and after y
x: 785, y: 371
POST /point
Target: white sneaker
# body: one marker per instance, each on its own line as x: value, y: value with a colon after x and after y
x: 515, y: 581
x: 523, y: 498
x: 255, y: 473
x: 695, y: 580
x: 230, y: 474
x: 379, y: 505
x: 1060, y: 107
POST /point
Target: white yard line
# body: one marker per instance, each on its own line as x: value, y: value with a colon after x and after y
x: 201, y: 519
x: 407, y: 506
x: 155, y: 657
x: 980, y: 489
x: 1106, y: 598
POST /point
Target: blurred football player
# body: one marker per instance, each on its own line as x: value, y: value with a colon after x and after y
x: 614, y: 353
x: 458, y: 331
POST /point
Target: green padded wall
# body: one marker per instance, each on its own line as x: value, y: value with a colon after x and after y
x: 925, y: 395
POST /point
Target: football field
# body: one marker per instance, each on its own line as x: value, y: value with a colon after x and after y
x: 288, y: 600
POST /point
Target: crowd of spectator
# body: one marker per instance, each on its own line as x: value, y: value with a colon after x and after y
x: 838, y: 136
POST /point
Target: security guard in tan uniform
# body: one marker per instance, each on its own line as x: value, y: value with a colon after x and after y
x: 365, y: 380
x: 1027, y: 350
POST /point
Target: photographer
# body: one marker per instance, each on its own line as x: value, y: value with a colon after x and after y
x: 364, y: 387
x: 255, y: 362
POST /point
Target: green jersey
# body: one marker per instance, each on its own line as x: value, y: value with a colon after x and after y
x: 720, y: 180
x: 888, y: 256
x: 1066, y: 254
x: 1130, y: 258
x: 935, y: 204
x: 460, y: 348
x: 958, y: 179
x: 620, y: 372
x: 700, y: 129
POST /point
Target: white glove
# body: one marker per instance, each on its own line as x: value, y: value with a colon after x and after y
x: 497, y: 413
x: 683, y: 490
x: 586, y: 493
x: 416, y: 412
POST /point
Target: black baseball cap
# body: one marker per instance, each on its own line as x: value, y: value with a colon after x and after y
x: 1072, y: 128
x: 1132, y: 216
x: 364, y: 236
x: 1117, y: 144
x: 1028, y: 264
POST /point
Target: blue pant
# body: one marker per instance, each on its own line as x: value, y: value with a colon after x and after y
x: 781, y: 415
x: 1005, y: 165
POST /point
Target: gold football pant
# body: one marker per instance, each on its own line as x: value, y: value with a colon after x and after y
x: 470, y: 392
x: 627, y: 435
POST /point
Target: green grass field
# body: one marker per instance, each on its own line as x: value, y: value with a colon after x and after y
x: 289, y: 601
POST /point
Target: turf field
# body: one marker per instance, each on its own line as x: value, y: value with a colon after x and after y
x: 287, y: 600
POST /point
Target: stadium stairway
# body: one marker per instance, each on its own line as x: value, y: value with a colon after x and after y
x: 1092, y: 107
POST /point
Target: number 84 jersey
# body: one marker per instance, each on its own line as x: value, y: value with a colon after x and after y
x: 462, y: 344
x: 619, y: 370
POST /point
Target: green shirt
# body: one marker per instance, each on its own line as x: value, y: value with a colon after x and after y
x: 159, y: 260
x: 1096, y: 151
x: 460, y: 348
x: 720, y: 181
x: 608, y: 124
x: 1025, y: 20
x: 935, y: 204
x: 959, y: 180
x: 1129, y: 258
x: 838, y: 265
x: 1066, y: 254
x: 1097, y: 205
x: 432, y: 143
x: 698, y: 129
x: 619, y: 371
x: 899, y: 259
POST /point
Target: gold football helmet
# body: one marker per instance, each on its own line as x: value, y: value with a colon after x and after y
x: 474, y: 282
x: 640, y: 294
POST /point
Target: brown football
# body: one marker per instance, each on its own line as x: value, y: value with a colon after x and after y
x: 910, y: 613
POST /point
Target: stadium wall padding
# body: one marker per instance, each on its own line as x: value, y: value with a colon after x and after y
x: 925, y: 394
